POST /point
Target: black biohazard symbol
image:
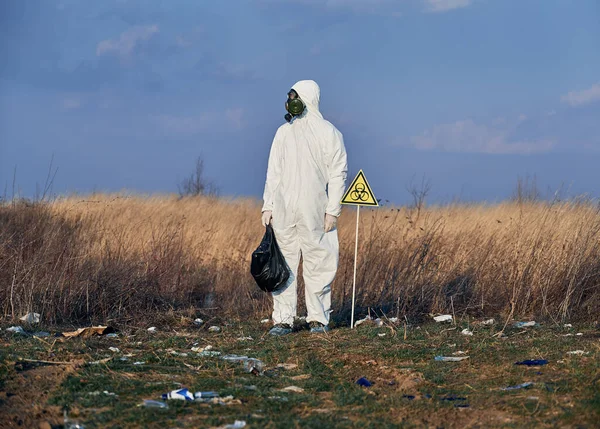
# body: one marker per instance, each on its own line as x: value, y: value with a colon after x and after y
x: 359, y: 193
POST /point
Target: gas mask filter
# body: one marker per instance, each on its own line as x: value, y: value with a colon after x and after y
x: 294, y: 105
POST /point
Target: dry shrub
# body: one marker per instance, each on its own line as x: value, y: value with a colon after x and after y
x: 131, y: 259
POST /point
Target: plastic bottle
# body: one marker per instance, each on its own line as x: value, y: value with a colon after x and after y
x: 149, y: 403
x: 181, y: 394
x: 205, y: 395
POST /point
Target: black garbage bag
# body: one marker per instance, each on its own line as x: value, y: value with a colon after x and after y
x: 268, y: 264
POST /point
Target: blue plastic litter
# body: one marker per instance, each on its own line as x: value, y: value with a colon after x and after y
x: 532, y: 362
x: 409, y: 397
x: 453, y: 398
x: 364, y: 382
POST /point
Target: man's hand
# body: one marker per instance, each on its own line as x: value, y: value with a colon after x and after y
x: 267, y: 215
x: 330, y: 222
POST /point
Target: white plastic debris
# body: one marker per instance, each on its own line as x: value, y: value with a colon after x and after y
x: 114, y: 349
x: 198, y: 322
x: 98, y: 393
x: 174, y: 353
x: 567, y: 325
x: 443, y: 318
x: 31, y: 318
x: 459, y: 352
x: 488, y: 322
x: 294, y: 389
x: 579, y: 334
x: 245, y: 339
x: 525, y: 324
x: 139, y: 363
x: 112, y: 335
x: 16, y: 330
x: 383, y: 334
x: 238, y: 424
x: 214, y: 328
x: 450, y: 358
x: 152, y: 329
x: 379, y: 322
x: 393, y: 319
x: 358, y: 322
x: 578, y: 353
x: 466, y: 332
x: 265, y: 321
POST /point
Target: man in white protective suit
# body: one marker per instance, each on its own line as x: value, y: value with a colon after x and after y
x: 306, y: 179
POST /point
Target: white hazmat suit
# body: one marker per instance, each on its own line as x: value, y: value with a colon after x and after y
x: 306, y: 179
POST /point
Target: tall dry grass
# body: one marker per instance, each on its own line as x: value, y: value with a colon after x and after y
x: 128, y: 259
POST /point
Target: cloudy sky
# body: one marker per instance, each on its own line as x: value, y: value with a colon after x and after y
x: 471, y: 94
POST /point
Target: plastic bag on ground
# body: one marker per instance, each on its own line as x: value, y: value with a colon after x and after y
x: 268, y: 265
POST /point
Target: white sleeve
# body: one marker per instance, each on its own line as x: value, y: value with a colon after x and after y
x: 337, y: 165
x: 273, y: 173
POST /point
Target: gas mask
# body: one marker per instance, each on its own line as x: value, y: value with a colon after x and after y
x: 294, y: 105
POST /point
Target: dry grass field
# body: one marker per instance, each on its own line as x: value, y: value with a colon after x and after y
x: 128, y: 259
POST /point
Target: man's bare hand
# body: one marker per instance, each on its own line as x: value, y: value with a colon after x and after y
x: 267, y: 215
x: 330, y: 222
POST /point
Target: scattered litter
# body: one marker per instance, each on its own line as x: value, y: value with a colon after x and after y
x: 409, y: 397
x: 294, y: 389
x: 16, y: 330
x: 461, y: 405
x: 450, y: 358
x: 393, y: 319
x: 245, y: 339
x: 452, y: 398
x: 198, y: 322
x: 112, y: 335
x: 452, y: 345
x: 383, y: 334
x: 98, y: 393
x: 466, y: 332
x: 265, y: 321
x: 567, y: 335
x: 488, y: 322
x: 361, y: 321
x: 209, y: 353
x: 89, y: 332
x: 532, y: 362
x: 579, y: 334
x: 578, y: 352
x: 180, y: 394
x: 114, y: 349
x: 124, y: 358
x: 364, y: 382
x: 205, y: 395
x: 278, y: 398
x: 378, y: 322
x: 174, y: 353
x: 152, y: 329
x: 41, y: 334
x: 443, y: 318
x: 518, y: 386
x: 567, y: 325
x: 533, y: 398
x: 139, y: 363
x: 238, y: 424
x: 149, y: 403
x: 459, y: 352
x: 235, y: 358
x: 525, y: 324
x: 214, y: 329
x: 31, y: 318
x: 287, y: 366
x: 251, y: 387
x: 254, y: 366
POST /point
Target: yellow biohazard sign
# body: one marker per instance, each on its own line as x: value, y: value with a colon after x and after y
x: 359, y: 193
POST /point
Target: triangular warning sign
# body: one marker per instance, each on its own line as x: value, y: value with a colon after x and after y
x: 359, y: 193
